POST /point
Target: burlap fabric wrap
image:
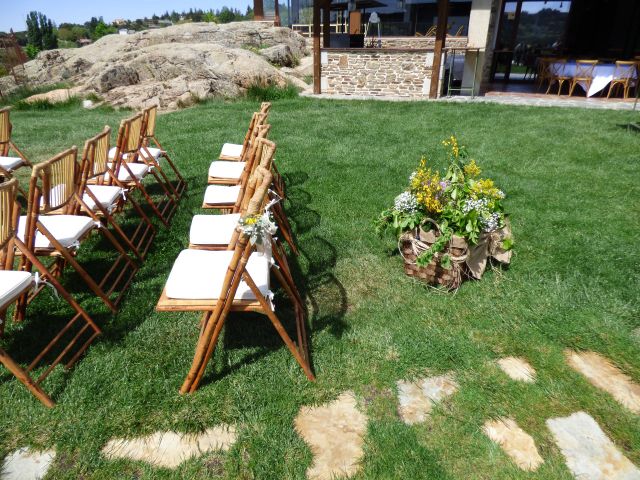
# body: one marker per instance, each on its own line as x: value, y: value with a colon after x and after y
x: 466, y: 261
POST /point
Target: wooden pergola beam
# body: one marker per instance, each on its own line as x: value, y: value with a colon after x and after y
x: 258, y: 10
x: 441, y: 35
x: 316, y: 46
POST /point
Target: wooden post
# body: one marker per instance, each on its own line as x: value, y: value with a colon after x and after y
x: 258, y: 10
x: 441, y: 34
x: 326, y: 24
x: 316, y: 46
x: 277, y: 21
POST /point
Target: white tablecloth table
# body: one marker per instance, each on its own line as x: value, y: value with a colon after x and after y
x: 602, y: 75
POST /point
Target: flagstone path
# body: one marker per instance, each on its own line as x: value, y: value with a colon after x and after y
x: 602, y: 373
x: 515, y: 442
x: 517, y: 369
x: 335, y: 432
x: 416, y: 399
x: 589, y: 453
x: 24, y: 464
x: 170, y: 449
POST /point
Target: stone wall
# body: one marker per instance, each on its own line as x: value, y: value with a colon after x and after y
x: 421, y: 42
x: 373, y: 72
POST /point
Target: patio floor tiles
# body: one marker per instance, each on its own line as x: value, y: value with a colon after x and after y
x: 416, y: 399
x: 335, y: 432
x: 602, y: 373
x: 24, y: 464
x: 589, y: 453
x: 517, y: 369
x: 515, y: 442
x: 170, y: 449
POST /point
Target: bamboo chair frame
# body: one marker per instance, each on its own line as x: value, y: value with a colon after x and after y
x: 55, y: 190
x: 258, y: 118
x: 9, y: 244
x: 95, y: 171
x: 558, y: 77
x: 623, y: 76
x: 216, y: 310
x: 584, y: 73
x: 255, y: 153
x: 261, y: 130
x: 7, y: 145
x: 149, y: 120
x: 128, y: 145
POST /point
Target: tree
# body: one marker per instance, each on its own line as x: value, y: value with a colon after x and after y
x: 41, y: 32
x: 102, y: 29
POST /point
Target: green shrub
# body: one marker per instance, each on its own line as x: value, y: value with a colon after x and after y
x: 268, y: 92
x: 47, y: 105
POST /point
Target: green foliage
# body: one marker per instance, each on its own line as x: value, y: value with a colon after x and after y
x: 102, y: 29
x: 41, y: 32
x: 31, y: 51
x: 438, y: 246
x: 47, y: 105
x: 269, y: 92
x: 23, y: 92
x: 396, y: 222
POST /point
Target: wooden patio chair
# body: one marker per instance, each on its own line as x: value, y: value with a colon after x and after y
x: 584, y: 74
x: 558, y: 74
x: 131, y: 168
x: 543, y: 74
x: 8, y: 164
x: 73, y: 338
x: 218, y: 282
x: 52, y: 229
x: 155, y: 153
x: 235, y: 152
x: 624, y: 76
x: 105, y: 195
x: 228, y: 172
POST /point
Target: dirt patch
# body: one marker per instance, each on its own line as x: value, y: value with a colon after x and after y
x: 416, y: 399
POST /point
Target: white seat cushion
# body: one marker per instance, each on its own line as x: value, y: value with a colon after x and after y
x: 199, y: 274
x: 107, y: 196
x: 231, y: 150
x: 139, y: 171
x: 12, y: 284
x: 222, y: 169
x: 67, y: 229
x: 156, y: 153
x: 10, y: 163
x: 213, y: 229
x: 221, y: 194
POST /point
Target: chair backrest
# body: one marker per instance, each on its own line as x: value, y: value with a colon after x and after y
x: 8, y: 217
x: 149, y: 116
x: 249, y: 157
x: 544, y: 66
x: 5, y: 131
x: 95, y: 156
x: 129, y: 137
x: 54, y: 184
x: 267, y: 153
x: 584, y: 68
x: 256, y: 119
x: 625, y: 70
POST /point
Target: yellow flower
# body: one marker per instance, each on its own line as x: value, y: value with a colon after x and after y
x: 472, y: 169
x: 425, y: 185
x: 485, y: 187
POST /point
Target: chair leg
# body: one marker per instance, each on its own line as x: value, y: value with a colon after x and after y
x: 181, y: 183
x: 26, y: 380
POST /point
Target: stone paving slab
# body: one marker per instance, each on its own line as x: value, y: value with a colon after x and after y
x: 517, y: 369
x: 602, y: 373
x: 589, y: 453
x: 170, y: 449
x: 24, y: 464
x: 335, y: 432
x: 416, y: 399
x: 515, y: 442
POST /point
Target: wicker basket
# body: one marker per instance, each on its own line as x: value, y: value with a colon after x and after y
x: 412, y: 244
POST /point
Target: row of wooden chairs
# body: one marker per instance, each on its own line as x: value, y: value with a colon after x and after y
x: 67, y: 200
x: 553, y: 72
x: 222, y: 271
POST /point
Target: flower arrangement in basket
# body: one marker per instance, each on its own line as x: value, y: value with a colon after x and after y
x: 449, y: 225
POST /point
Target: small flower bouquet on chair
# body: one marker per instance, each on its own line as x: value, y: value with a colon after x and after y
x: 448, y: 227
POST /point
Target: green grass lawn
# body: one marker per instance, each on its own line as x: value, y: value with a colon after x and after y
x: 571, y: 178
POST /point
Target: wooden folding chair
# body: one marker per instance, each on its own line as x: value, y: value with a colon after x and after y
x: 51, y: 229
x: 624, y: 76
x: 227, y: 172
x: 217, y: 282
x: 73, y: 338
x: 236, y: 152
x: 8, y: 164
x: 131, y: 172
x: 106, y: 195
x: 153, y: 154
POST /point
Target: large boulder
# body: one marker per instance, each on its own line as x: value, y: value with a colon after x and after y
x: 173, y: 66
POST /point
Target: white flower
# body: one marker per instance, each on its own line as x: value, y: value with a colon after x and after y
x: 406, y: 202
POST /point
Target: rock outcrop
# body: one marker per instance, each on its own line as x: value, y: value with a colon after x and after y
x: 176, y: 65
